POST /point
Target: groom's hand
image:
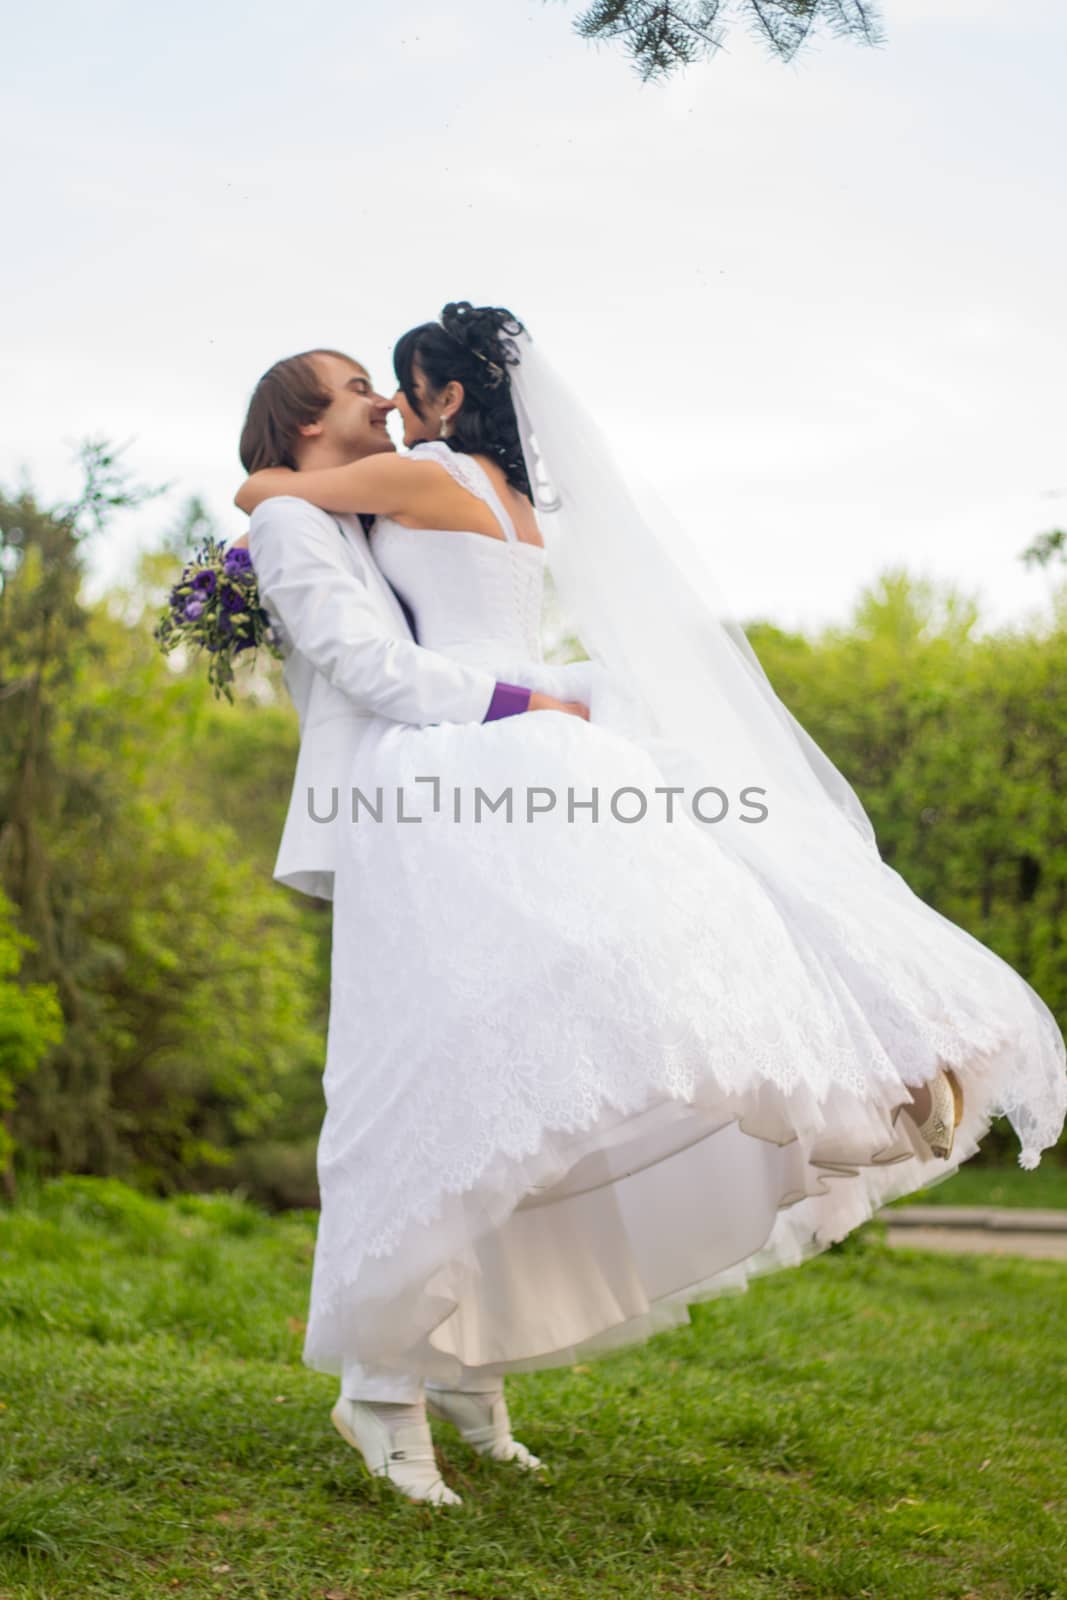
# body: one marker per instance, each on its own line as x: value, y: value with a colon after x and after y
x: 545, y: 702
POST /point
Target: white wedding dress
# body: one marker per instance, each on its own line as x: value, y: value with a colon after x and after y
x: 581, y: 1074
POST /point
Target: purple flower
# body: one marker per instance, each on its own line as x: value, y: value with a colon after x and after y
x: 233, y: 599
x: 193, y: 610
x: 205, y: 581
x: 238, y: 561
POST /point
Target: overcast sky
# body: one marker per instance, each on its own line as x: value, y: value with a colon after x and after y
x: 821, y: 306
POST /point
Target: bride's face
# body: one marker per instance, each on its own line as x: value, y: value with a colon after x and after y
x: 431, y: 405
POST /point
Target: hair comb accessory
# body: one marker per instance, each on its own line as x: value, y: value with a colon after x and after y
x: 494, y: 370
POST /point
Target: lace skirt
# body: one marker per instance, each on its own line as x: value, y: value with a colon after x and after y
x: 582, y: 1073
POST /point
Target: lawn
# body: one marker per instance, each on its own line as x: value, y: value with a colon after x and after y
x: 1045, y: 1187
x: 872, y: 1424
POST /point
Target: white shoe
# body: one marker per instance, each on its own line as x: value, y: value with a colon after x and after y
x: 483, y: 1421
x: 404, y: 1454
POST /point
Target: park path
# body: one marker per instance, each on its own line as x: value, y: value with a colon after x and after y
x: 978, y: 1230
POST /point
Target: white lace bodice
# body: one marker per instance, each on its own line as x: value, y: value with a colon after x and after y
x: 474, y: 598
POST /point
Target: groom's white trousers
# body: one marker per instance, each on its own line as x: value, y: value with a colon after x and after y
x: 378, y: 1383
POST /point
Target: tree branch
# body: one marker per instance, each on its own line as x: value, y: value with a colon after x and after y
x: 663, y: 35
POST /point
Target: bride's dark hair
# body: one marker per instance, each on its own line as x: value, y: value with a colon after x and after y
x: 474, y: 346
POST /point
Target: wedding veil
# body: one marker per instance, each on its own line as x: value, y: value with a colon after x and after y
x: 640, y: 598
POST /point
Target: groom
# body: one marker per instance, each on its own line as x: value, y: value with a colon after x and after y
x: 353, y: 657
x: 352, y: 661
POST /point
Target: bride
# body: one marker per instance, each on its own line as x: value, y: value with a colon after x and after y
x: 623, y: 1010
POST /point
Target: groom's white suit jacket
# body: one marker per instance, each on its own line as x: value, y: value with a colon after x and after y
x: 350, y: 661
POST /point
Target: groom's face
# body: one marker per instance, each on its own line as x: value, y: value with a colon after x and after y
x: 353, y: 424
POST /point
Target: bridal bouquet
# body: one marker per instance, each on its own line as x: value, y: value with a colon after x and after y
x: 215, y: 606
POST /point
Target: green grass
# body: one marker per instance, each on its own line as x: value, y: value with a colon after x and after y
x: 1045, y: 1187
x: 873, y: 1424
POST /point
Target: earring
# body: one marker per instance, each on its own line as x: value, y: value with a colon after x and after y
x: 444, y: 429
